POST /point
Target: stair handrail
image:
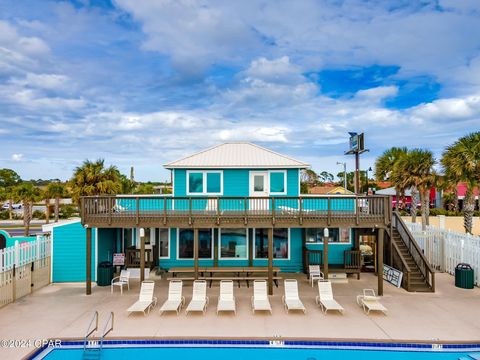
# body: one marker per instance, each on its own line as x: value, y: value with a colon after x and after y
x: 429, y: 272
x: 90, y: 331
x: 110, y: 320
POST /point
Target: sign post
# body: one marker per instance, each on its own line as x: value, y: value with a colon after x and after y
x: 357, y: 147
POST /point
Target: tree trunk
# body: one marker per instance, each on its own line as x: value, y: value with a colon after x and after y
x: 10, y: 209
x: 468, y: 208
x: 413, y: 204
x: 397, y: 199
x: 423, y: 210
x: 57, y: 207
x: 455, y: 197
x: 27, y: 217
x: 47, y: 211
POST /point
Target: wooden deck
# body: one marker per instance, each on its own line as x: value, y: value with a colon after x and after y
x: 234, y: 212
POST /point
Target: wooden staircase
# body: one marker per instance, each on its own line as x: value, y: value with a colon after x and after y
x: 408, y: 257
x: 417, y: 282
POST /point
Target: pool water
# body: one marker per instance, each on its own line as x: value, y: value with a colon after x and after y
x: 263, y: 353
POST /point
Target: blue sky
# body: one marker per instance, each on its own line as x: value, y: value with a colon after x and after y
x: 140, y: 83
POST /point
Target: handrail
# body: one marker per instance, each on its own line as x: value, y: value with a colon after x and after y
x: 89, y: 330
x: 110, y: 320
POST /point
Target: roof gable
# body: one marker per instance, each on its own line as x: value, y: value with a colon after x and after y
x: 236, y: 155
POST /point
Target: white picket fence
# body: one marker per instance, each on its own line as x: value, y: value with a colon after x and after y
x: 24, y: 268
x: 445, y: 249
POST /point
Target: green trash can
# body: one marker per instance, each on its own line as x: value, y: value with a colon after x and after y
x: 464, y: 276
x: 105, y: 273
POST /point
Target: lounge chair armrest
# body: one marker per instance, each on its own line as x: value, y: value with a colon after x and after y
x: 283, y: 299
x: 317, y: 299
x: 206, y: 297
x: 370, y: 298
x: 359, y: 299
x: 183, y: 301
x: 154, y: 301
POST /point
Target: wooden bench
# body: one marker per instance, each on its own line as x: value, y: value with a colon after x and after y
x: 211, y: 279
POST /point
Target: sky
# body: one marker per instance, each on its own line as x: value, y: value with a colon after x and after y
x: 142, y: 83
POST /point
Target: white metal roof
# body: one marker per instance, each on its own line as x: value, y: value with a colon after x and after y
x: 391, y: 192
x: 237, y: 155
x: 49, y: 227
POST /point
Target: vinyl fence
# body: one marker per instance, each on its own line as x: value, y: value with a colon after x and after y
x: 24, y: 268
x: 445, y: 249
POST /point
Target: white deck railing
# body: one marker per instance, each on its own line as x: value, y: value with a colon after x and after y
x: 445, y: 249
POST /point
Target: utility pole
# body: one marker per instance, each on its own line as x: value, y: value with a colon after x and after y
x: 344, y: 174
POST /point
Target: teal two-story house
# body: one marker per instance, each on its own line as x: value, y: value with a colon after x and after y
x: 227, y: 198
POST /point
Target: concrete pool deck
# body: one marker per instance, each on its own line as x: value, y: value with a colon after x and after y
x: 64, y: 311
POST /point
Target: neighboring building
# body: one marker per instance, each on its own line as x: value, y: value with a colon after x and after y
x: 407, y: 198
x: 230, y: 200
x: 329, y: 190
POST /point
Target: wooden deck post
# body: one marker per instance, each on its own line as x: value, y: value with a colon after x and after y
x: 89, y: 262
x: 195, y: 251
x: 325, y: 257
x: 142, y: 255
x: 216, y: 237
x: 251, y: 239
x: 380, y: 238
x: 270, y: 261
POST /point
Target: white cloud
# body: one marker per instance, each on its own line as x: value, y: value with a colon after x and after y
x: 17, y: 157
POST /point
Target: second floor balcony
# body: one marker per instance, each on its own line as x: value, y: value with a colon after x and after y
x: 233, y: 212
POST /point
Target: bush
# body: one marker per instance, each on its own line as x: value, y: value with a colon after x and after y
x: 68, y: 211
x: 37, y: 214
x: 440, y: 211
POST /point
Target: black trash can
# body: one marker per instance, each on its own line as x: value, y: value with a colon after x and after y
x: 464, y: 276
x: 105, y: 273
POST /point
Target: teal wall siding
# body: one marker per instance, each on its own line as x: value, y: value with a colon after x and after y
x: 10, y: 241
x: 335, y: 250
x: 293, y: 182
x: 69, y: 253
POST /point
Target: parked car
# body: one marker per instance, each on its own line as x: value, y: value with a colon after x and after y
x: 14, y: 206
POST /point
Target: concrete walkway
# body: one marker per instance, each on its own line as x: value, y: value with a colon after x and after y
x: 63, y: 310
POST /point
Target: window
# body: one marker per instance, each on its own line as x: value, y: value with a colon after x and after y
x: 185, y: 244
x: 162, y: 240
x: 195, y: 182
x: 214, y: 182
x: 258, y: 183
x: 128, y: 237
x: 233, y: 243
x: 277, y: 182
x: 336, y: 235
x: 204, y: 182
x: 281, y: 244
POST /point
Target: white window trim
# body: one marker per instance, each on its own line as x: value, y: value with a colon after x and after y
x: 220, y: 257
x: 200, y: 259
x: 266, y: 259
x: 284, y: 192
x: 168, y: 242
x: 204, y: 184
x: 350, y: 238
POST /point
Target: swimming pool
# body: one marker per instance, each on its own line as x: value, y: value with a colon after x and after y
x: 262, y: 349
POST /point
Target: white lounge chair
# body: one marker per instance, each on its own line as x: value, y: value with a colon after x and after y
x: 226, y: 300
x: 175, y: 300
x: 260, y: 300
x: 199, y: 300
x: 120, y: 281
x: 291, y: 300
x: 325, y: 297
x: 314, y: 274
x: 370, y: 302
x: 146, y: 300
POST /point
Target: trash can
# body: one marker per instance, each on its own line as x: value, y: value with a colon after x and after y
x: 464, y: 276
x: 105, y: 273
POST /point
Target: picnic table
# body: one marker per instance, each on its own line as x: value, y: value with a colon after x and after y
x: 240, y: 273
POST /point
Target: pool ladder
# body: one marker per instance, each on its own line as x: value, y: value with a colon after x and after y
x: 92, y: 348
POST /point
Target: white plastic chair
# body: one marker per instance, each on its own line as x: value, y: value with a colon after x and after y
x: 314, y: 274
x: 120, y: 281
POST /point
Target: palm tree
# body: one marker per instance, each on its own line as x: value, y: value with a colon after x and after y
x: 46, y: 197
x: 27, y: 194
x: 461, y: 162
x: 56, y: 190
x: 415, y: 171
x: 92, y: 178
x: 8, y: 179
x: 384, y: 169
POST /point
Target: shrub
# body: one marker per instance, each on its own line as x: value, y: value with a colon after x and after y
x: 68, y: 211
x: 37, y: 214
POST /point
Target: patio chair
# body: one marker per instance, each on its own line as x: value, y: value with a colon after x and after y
x: 314, y: 274
x: 260, y: 300
x: 175, y: 300
x: 199, y: 300
x: 370, y: 302
x: 226, y: 300
x: 325, y: 297
x: 146, y: 300
x: 291, y: 300
x: 120, y: 281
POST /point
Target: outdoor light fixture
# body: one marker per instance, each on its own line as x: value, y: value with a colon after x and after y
x: 325, y: 233
x: 142, y: 232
